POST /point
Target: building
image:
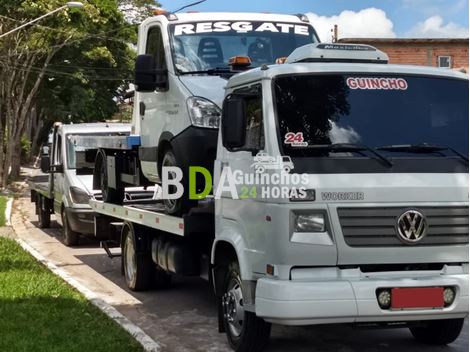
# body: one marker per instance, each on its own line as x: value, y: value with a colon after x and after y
x: 444, y: 53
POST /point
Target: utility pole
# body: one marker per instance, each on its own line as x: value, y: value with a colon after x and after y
x: 335, y: 34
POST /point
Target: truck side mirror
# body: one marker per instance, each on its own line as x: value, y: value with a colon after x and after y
x: 147, y: 77
x: 45, y: 163
x: 234, y: 123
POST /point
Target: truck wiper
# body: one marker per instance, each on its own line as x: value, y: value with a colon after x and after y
x: 212, y: 71
x: 348, y: 147
x: 422, y: 148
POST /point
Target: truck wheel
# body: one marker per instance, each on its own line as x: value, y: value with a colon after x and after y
x: 44, y: 217
x: 70, y: 236
x: 139, y: 269
x: 110, y: 195
x: 175, y: 206
x: 438, y: 332
x: 245, y: 331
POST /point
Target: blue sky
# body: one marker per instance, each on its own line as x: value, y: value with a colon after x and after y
x: 405, y: 14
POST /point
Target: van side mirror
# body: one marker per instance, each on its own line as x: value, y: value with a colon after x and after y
x: 234, y: 123
x: 147, y: 77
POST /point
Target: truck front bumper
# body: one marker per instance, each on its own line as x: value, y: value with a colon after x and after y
x: 349, y: 296
x: 81, y: 220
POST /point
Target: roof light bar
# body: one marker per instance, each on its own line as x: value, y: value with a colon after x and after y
x: 353, y: 53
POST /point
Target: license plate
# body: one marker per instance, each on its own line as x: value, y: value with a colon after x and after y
x: 417, y: 297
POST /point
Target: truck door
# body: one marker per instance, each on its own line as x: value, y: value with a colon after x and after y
x: 250, y: 208
x: 58, y: 175
x: 154, y: 106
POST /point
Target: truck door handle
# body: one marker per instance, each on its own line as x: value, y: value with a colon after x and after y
x: 142, y: 108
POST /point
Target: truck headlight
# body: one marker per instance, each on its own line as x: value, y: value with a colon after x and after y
x: 79, y: 196
x: 204, y: 113
x: 313, y: 222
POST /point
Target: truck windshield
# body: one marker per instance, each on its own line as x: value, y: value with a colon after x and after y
x: 82, y: 149
x: 210, y: 45
x: 400, y: 116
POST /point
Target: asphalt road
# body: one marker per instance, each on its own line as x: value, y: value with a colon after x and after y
x: 183, y: 318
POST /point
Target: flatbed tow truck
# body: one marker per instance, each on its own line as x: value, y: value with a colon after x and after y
x: 379, y: 236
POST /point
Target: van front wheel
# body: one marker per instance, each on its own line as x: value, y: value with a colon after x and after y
x: 245, y: 331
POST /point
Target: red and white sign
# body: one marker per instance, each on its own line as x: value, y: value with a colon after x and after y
x: 377, y: 83
x: 295, y: 139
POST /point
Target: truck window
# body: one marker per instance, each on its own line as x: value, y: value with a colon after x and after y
x: 254, y: 124
x: 374, y: 110
x: 202, y: 46
x: 156, y: 48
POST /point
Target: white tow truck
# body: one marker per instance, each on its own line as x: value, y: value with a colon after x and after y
x: 373, y: 228
x: 65, y: 188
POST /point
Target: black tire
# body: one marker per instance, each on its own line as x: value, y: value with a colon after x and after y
x: 438, y: 332
x: 182, y: 205
x: 110, y: 195
x: 70, y: 236
x: 44, y: 217
x: 139, y: 269
x: 250, y: 335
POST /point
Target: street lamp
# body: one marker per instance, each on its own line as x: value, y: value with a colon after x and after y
x: 71, y: 4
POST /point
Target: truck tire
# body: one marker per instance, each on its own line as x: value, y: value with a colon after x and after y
x: 438, y: 332
x: 109, y: 194
x: 70, y: 236
x: 179, y: 206
x: 44, y: 217
x: 245, y: 331
x: 139, y: 269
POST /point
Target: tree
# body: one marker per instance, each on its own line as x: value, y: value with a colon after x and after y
x: 66, y: 68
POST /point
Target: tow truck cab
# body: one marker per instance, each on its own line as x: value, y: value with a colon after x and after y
x: 380, y: 233
x: 182, y: 68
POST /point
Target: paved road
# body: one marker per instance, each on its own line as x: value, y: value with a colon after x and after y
x: 183, y: 318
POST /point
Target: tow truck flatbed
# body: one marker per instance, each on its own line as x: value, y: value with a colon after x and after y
x: 151, y: 214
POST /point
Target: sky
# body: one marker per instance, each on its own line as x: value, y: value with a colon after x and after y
x: 358, y: 18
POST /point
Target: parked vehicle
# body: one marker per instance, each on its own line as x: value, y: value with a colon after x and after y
x: 183, y: 65
x: 379, y: 236
x: 70, y: 164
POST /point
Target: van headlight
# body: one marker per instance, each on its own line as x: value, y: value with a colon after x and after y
x: 204, y: 113
x: 309, y: 222
x: 79, y: 196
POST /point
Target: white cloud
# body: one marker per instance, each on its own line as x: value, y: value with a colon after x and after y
x: 367, y: 23
x: 434, y: 27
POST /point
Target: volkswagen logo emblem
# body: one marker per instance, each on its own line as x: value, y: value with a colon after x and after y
x: 411, y: 226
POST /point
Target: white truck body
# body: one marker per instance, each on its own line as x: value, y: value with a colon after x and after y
x: 382, y: 217
x: 69, y: 186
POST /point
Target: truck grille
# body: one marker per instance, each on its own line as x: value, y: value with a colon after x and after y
x: 376, y: 227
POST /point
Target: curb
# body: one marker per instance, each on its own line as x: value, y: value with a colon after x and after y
x: 137, y: 333
x: 8, y: 210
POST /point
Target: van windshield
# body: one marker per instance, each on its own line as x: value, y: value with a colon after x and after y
x: 209, y: 45
x: 390, y: 113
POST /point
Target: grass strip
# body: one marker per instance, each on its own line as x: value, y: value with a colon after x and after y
x: 41, y: 312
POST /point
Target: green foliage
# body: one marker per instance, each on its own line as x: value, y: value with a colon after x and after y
x: 3, y: 207
x: 25, y: 147
x: 40, y: 312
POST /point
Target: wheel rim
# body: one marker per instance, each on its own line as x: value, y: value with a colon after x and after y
x: 130, y: 262
x: 234, y: 312
x: 170, y: 204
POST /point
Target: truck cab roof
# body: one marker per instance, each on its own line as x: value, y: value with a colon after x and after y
x: 228, y: 16
x: 269, y: 72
